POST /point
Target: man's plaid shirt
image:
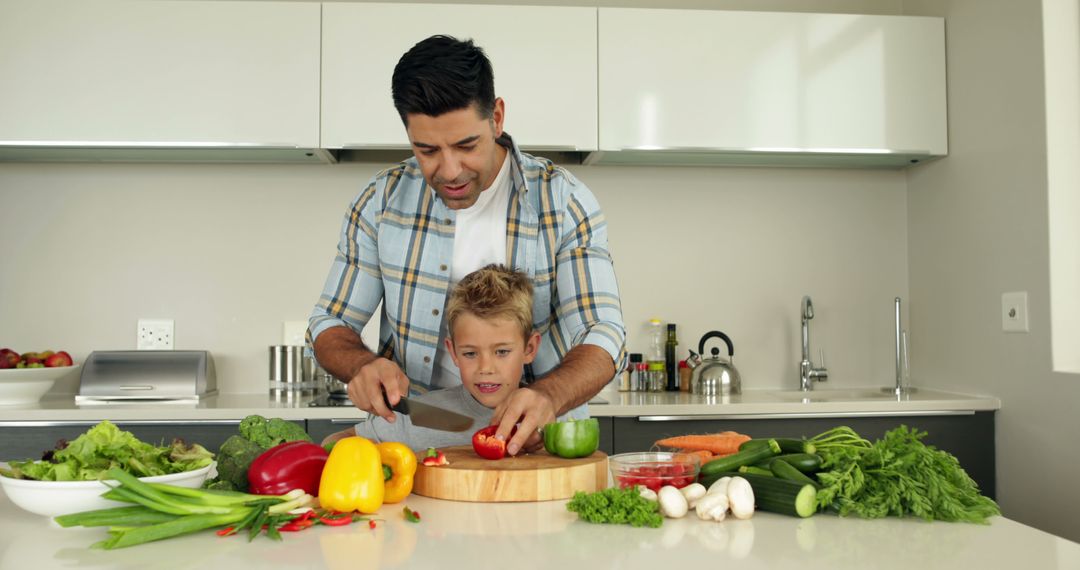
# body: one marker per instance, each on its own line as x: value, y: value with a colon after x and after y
x: 397, y: 243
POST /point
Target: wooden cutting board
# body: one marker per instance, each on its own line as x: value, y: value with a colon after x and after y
x: 533, y: 477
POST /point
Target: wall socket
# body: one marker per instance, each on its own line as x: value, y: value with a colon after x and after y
x: 155, y: 334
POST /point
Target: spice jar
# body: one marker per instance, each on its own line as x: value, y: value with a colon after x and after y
x: 685, y: 375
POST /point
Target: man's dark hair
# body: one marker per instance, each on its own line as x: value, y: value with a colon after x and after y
x: 443, y: 74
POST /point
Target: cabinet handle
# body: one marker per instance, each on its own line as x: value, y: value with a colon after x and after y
x: 30, y: 423
x: 781, y: 416
x: 154, y: 144
x: 776, y: 150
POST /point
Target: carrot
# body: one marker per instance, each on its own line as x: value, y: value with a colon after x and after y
x: 723, y: 443
x: 704, y: 454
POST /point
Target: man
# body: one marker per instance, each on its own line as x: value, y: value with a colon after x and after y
x: 466, y: 199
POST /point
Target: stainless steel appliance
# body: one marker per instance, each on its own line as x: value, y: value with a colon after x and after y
x: 166, y: 376
x: 715, y: 376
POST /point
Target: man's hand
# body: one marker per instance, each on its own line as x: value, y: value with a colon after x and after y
x: 376, y: 377
x: 530, y: 410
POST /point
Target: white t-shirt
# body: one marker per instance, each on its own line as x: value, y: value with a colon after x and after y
x: 479, y: 239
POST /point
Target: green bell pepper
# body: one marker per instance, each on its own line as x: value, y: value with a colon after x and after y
x: 572, y: 438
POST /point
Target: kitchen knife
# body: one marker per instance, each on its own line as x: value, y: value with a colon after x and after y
x: 432, y: 417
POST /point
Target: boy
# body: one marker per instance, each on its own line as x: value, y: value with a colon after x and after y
x: 491, y: 339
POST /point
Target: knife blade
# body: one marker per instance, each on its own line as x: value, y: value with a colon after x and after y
x: 432, y: 417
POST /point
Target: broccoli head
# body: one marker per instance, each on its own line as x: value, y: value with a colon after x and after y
x: 282, y: 431
x: 268, y: 433
x: 234, y: 459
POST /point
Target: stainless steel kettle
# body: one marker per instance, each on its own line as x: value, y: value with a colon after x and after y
x: 714, y: 376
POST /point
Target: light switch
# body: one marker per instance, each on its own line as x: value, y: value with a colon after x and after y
x: 1014, y: 312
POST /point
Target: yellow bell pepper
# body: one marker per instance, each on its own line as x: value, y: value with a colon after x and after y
x: 352, y: 479
x: 402, y: 463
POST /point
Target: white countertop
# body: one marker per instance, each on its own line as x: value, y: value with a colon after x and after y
x: 544, y: 535
x: 751, y: 404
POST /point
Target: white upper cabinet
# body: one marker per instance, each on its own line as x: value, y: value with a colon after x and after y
x: 686, y: 86
x: 159, y: 74
x: 544, y: 59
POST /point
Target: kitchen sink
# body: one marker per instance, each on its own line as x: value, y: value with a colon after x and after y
x: 839, y: 395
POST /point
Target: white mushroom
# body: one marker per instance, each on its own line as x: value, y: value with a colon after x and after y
x: 693, y: 492
x: 712, y: 507
x: 741, y: 497
x: 719, y: 486
x: 672, y: 503
x: 646, y: 493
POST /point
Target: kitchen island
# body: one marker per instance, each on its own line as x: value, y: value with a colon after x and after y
x: 462, y: 535
x: 629, y: 421
x: 609, y: 403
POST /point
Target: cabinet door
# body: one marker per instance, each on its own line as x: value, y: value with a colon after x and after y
x: 759, y: 82
x: 27, y: 440
x: 968, y: 437
x: 319, y: 429
x: 160, y: 73
x: 544, y: 58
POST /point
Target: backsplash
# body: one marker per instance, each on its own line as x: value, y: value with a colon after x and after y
x: 230, y: 252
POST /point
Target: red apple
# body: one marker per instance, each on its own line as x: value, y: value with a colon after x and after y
x: 8, y: 358
x: 59, y: 359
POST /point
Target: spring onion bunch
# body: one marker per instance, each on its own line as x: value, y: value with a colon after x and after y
x: 162, y: 511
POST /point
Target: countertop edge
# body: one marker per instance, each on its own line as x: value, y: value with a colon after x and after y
x: 645, y: 406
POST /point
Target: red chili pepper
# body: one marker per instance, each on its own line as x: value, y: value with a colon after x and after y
x: 226, y: 531
x: 434, y: 458
x: 486, y: 444
x: 336, y: 519
x: 292, y: 465
x: 371, y: 523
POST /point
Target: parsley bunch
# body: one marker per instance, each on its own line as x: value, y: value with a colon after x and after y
x: 616, y: 506
x: 897, y: 475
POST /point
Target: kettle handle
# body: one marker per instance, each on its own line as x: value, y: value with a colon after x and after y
x: 719, y: 335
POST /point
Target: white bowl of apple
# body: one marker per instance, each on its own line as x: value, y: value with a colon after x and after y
x: 25, y: 378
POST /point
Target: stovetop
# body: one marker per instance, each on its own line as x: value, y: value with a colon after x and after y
x: 331, y: 400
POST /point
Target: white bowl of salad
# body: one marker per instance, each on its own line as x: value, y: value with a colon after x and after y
x: 72, y: 478
x: 55, y: 498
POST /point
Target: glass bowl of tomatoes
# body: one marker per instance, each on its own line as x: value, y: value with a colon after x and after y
x: 654, y: 469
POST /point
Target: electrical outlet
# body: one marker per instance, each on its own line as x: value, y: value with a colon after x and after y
x: 155, y: 334
x: 1014, y: 312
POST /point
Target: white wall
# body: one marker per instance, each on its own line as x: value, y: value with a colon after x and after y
x: 978, y: 228
x: 231, y: 251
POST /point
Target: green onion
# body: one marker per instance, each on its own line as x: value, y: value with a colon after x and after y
x: 163, y: 511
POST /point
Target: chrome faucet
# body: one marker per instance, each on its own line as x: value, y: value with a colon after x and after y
x: 807, y: 373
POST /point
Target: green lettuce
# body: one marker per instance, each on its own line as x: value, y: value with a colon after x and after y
x: 105, y: 446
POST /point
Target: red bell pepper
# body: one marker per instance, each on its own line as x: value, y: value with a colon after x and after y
x: 487, y: 446
x: 292, y: 465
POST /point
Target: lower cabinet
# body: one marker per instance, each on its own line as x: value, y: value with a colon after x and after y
x: 27, y: 440
x: 318, y: 429
x: 969, y: 437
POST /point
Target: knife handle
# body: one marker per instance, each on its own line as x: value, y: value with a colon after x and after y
x: 402, y: 406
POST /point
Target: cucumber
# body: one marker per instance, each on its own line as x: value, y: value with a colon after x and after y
x: 757, y: 470
x: 785, y: 470
x: 805, y: 462
x: 777, y: 495
x: 787, y: 445
x: 737, y: 460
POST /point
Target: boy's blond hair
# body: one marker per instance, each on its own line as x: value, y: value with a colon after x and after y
x: 493, y: 291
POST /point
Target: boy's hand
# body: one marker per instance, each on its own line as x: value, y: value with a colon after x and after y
x: 376, y: 377
x: 530, y: 410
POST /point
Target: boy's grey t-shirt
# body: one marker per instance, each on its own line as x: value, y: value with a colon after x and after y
x: 456, y: 399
